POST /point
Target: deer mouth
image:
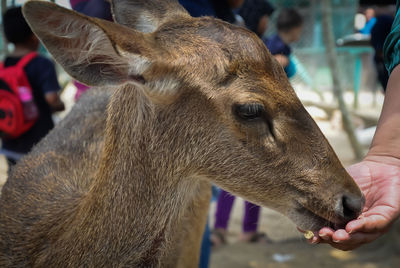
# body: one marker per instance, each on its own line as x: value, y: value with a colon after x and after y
x: 309, y: 220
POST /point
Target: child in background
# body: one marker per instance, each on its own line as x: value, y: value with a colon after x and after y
x: 255, y: 14
x: 42, y: 77
x: 249, y: 225
x: 222, y: 9
x: 289, y: 26
x: 371, y: 20
x: 379, y: 32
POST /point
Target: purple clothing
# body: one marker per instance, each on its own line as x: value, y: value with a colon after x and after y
x: 224, y: 207
x: 80, y: 88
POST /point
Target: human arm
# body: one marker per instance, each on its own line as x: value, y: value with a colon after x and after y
x: 54, y: 101
x: 282, y: 60
x: 378, y: 176
x: 46, y: 80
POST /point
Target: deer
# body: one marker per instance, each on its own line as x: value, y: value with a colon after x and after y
x: 177, y: 103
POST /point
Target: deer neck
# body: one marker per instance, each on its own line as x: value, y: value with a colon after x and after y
x: 133, y: 191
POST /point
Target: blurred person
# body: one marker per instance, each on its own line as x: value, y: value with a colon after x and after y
x: 227, y: 10
x: 370, y: 21
x: 256, y: 14
x: 41, y: 76
x: 249, y: 223
x: 379, y: 32
x: 289, y: 29
x: 378, y: 175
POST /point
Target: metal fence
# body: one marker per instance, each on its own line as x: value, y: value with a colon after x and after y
x: 310, y: 50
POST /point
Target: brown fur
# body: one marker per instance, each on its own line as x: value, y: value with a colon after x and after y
x: 124, y: 180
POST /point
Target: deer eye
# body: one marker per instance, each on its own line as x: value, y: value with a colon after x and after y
x: 249, y: 112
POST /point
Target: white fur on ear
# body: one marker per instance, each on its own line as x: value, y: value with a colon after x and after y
x: 146, y: 15
x: 164, y: 86
x: 145, y: 23
x: 138, y: 65
x: 95, y: 49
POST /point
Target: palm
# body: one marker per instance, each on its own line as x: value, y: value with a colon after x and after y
x: 380, y: 184
x: 379, y: 180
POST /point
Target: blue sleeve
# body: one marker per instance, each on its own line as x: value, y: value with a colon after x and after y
x: 276, y: 46
x: 391, y: 48
x: 290, y: 70
x: 276, y: 49
x: 44, y: 74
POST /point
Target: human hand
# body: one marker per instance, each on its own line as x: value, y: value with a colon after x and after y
x: 379, y: 179
x: 282, y: 60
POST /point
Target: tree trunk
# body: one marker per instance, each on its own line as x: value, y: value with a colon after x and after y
x: 337, y: 88
x: 5, y: 43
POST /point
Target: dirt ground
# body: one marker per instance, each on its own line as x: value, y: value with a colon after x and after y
x: 289, y: 249
x: 296, y: 253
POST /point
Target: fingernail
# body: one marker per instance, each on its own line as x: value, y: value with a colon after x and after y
x: 336, y: 241
x: 324, y: 236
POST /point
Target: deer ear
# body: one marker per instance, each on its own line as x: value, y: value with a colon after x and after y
x: 89, y: 49
x: 146, y: 15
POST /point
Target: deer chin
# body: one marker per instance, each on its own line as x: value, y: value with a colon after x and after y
x: 306, y: 219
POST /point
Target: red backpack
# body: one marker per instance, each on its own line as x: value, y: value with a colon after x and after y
x: 18, y: 112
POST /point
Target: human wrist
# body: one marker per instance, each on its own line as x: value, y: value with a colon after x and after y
x: 386, y: 141
x: 382, y: 156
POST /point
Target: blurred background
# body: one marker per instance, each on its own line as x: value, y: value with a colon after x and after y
x: 358, y: 97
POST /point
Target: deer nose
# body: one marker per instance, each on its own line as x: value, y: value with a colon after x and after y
x: 349, y: 206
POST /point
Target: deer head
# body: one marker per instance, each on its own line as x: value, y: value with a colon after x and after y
x: 210, y: 103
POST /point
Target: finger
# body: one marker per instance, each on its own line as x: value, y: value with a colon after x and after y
x: 340, y: 236
x: 314, y: 240
x: 372, y: 223
x: 332, y: 236
x: 326, y: 233
x: 355, y: 225
x: 356, y: 240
